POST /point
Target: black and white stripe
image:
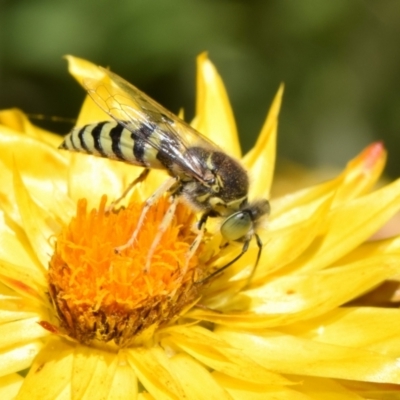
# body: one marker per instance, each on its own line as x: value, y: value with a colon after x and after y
x: 136, y: 145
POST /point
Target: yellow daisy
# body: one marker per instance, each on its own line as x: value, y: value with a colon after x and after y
x: 79, y: 321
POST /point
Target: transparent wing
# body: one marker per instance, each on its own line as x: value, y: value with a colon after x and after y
x: 132, y: 108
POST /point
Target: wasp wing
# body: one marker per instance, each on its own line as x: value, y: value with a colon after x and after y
x: 129, y: 106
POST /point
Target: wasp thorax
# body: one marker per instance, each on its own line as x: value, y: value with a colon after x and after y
x: 231, y: 175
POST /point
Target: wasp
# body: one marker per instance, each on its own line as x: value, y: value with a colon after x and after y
x: 144, y: 133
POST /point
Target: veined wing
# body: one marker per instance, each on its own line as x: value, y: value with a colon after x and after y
x: 132, y: 108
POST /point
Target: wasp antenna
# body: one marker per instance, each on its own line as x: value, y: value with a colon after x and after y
x: 218, y: 271
x: 42, y: 117
x: 260, y: 246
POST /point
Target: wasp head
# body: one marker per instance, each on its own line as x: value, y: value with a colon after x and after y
x: 241, y: 225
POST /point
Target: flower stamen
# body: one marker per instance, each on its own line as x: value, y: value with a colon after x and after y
x: 107, y: 296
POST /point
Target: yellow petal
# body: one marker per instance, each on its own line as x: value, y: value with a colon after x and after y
x: 17, y: 332
x: 196, y: 381
x: 81, y: 69
x: 15, y: 249
x: 213, y: 352
x: 290, y: 203
x: 91, y: 113
x: 240, y: 390
x: 373, y: 249
x: 43, y: 167
x: 15, y: 308
x: 50, y: 373
x: 301, y: 296
x: 348, y: 226
x: 29, y: 282
x: 358, y: 178
x: 151, y: 366
x: 293, y: 355
x: 261, y: 159
x: 18, y: 358
x: 371, y: 328
x: 90, y: 176
x: 361, y: 173
x: 282, y: 245
x: 214, y: 116
x: 92, y: 373
x: 125, y: 383
x: 10, y: 385
x: 37, y: 222
x: 326, y: 389
x: 296, y: 297
x: 17, y: 121
x: 173, y: 377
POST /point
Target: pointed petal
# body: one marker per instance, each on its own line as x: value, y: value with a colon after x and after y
x: 81, y: 69
x: 261, y: 159
x: 362, y: 173
x: 50, y: 373
x: 358, y: 178
x: 349, y: 225
x: 214, y: 116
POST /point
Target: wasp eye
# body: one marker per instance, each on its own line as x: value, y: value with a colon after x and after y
x: 236, y: 226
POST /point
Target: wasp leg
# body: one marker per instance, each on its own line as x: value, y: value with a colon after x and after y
x: 166, y: 221
x: 140, y: 178
x: 148, y: 203
x: 193, y: 248
x: 196, y: 242
x: 203, y: 219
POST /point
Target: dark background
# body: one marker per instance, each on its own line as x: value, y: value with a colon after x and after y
x: 339, y: 60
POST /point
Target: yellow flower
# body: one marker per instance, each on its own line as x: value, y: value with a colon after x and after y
x: 289, y: 335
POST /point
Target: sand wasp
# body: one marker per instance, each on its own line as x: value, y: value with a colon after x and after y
x: 144, y: 133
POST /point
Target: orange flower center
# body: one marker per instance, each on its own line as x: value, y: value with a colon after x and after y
x: 100, y: 294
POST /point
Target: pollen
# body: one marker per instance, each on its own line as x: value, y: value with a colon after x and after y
x: 102, y: 295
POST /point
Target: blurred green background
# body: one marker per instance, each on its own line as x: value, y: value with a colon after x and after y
x: 339, y: 60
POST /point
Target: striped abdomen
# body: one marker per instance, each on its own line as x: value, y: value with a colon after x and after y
x: 111, y: 140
